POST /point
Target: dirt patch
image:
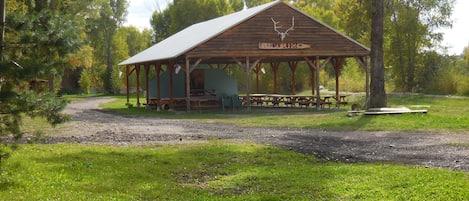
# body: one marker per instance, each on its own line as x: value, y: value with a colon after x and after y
x: 429, y: 149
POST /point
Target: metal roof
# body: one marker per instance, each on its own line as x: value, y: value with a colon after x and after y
x: 194, y: 35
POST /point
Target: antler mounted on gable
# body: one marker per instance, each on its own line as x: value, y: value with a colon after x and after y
x: 283, y: 34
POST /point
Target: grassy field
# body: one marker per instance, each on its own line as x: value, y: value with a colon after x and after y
x: 216, y: 170
x: 446, y: 114
x: 234, y: 170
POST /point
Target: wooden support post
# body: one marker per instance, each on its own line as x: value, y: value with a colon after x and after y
x: 226, y: 66
x: 318, y: 90
x: 170, y: 70
x: 147, y: 88
x: 248, y: 68
x: 137, y: 71
x: 337, y: 63
x: 363, y: 61
x: 195, y: 65
x: 313, y: 81
x: 188, y: 83
x: 127, y: 74
x: 275, y: 66
x: 293, y: 65
x: 314, y: 65
x: 248, y: 83
x: 158, y: 84
x: 257, y: 70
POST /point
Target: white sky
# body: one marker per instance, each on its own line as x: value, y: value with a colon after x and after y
x: 140, y: 12
x: 456, y: 38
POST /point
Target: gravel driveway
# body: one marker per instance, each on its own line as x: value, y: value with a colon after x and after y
x: 429, y: 149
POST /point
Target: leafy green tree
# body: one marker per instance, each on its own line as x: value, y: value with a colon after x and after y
x: 103, y: 20
x: 132, y: 40
x: 127, y: 42
x: 78, y: 62
x: 239, y: 5
x: 410, y: 31
x: 183, y: 13
x: 466, y: 58
x: 160, y: 22
x: 412, y: 24
x: 85, y: 81
x: 322, y: 10
x: 354, y: 19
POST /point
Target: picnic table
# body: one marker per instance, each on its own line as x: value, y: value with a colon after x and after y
x: 278, y: 100
x: 259, y: 99
x: 275, y: 100
x: 290, y: 100
x: 305, y: 101
x: 341, y: 100
x: 325, y: 100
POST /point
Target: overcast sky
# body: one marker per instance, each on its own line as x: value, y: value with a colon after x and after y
x: 140, y: 11
x: 456, y: 39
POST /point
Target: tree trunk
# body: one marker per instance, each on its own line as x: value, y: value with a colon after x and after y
x: 108, y: 73
x: 377, y: 91
x: 109, y: 81
x: 2, y: 35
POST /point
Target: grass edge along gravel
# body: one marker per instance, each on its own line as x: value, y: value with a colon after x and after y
x: 445, y: 114
x: 216, y: 170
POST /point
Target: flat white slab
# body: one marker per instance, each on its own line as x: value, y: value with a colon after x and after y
x: 387, y: 110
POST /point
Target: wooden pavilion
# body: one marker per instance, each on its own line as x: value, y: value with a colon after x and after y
x: 270, y: 33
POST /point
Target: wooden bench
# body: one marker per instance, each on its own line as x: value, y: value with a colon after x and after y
x: 166, y: 103
x: 326, y: 101
x: 204, y: 103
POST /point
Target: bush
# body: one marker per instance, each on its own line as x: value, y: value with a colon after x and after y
x: 85, y: 82
x: 446, y: 83
x: 462, y: 86
x: 352, y: 77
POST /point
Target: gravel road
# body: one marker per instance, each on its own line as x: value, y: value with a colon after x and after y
x: 430, y: 149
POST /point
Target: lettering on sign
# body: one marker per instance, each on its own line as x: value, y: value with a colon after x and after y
x: 283, y: 46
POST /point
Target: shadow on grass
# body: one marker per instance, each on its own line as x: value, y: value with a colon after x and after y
x: 348, y: 123
x: 208, y: 172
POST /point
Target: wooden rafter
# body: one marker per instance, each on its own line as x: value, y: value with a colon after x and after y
x: 337, y: 62
x: 293, y: 65
x: 275, y: 66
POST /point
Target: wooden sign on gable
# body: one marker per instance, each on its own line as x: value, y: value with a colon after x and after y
x: 283, y: 46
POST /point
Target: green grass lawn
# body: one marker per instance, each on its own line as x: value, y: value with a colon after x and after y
x: 446, y: 114
x: 216, y: 170
x: 234, y: 170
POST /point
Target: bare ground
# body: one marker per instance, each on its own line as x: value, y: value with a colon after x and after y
x: 429, y: 149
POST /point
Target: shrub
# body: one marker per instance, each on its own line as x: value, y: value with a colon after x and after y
x: 85, y: 82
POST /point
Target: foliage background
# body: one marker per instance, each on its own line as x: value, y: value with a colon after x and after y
x: 76, y: 45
